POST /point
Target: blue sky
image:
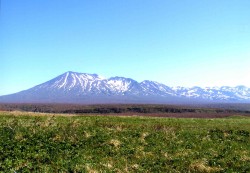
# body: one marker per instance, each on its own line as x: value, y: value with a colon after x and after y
x: 175, y: 42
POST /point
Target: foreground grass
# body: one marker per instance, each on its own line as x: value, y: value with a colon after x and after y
x: 122, y: 144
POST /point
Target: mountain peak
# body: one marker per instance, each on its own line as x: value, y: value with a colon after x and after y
x: 85, y: 75
x: 91, y: 88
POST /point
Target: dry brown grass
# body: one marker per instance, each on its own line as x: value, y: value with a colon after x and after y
x: 201, y: 166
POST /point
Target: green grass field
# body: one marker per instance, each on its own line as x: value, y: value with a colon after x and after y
x: 52, y: 143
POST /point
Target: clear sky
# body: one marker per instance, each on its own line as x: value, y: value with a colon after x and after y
x: 175, y: 42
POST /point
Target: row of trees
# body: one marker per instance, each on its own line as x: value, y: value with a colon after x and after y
x: 105, y: 109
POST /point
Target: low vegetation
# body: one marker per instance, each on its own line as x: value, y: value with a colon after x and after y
x: 35, y: 142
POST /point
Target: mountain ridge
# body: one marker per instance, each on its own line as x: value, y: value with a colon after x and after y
x: 75, y: 87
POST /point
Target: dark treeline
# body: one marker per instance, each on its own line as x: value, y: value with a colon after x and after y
x: 116, y: 108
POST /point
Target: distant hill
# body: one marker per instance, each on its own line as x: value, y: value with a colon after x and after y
x: 73, y: 87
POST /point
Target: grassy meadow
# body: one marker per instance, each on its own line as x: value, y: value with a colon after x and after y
x: 35, y: 142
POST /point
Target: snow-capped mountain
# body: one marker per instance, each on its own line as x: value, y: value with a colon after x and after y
x: 72, y: 87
